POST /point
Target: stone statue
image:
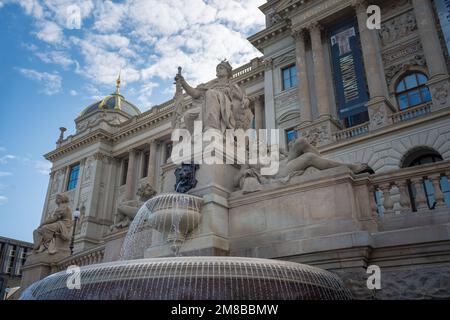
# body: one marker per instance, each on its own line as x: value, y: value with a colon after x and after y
x: 301, y: 156
x: 221, y: 105
x: 55, y: 231
x: 127, y: 210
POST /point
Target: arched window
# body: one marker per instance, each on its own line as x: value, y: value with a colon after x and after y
x: 422, y: 156
x: 412, y: 91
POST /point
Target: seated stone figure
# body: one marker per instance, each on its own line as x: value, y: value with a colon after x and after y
x: 127, y: 210
x: 301, y: 156
x: 57, y: 227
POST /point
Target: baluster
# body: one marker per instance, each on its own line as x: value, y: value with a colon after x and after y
x: 387, y: 202
x: 438, y: 195
x: 421, y: 200
x: 405, y: 202
x: 373, y: 204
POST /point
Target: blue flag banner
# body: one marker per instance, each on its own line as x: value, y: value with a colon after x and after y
x: 349, y: 78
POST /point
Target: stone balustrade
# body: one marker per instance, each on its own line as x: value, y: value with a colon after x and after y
x: 88, y: 257
x: 352, y: 132
x: 415, y: 189
x: 412, y: 113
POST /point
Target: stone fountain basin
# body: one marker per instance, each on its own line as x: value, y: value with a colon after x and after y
x: 181, y: 213
x: 193, y: 278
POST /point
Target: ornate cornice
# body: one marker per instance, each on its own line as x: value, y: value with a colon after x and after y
x: 93, y: 137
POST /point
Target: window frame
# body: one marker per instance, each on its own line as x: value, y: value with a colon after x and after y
x: 124, y: 172
x: 289, y: 68
x: 72, y: 181
x: 405, y: 92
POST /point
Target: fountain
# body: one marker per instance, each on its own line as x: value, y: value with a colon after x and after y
x: 194, y: 278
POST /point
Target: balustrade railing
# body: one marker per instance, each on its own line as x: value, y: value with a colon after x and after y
x: 352, y: 132
x: 91, y: 256
x: 412, y: 113
x: 416, y: 189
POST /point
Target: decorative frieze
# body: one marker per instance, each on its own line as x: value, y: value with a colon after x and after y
x: 398, y: 28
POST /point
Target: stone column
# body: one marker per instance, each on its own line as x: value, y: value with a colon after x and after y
x: 302, y: 76
x: 258, y: 104
x: 437, y: 68
x: 322, y: 92
x: 269, y: 104
x: 379, y: 107
x: 129, y: 191
x: 152, y: 164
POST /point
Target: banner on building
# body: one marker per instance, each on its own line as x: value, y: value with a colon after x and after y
x: 349, y: 78
x: 443, y: 9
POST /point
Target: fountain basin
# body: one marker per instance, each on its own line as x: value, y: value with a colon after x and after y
x: 194, y: 278
x: 174, y: 214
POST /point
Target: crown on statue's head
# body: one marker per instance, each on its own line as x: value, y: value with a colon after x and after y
x: 227, y: 66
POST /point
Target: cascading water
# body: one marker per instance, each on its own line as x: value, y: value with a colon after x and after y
x: 174, y: 217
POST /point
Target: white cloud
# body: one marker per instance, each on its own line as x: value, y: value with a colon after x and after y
x: 51, y: 81
x: 50, y: 32
x: 146, y: 39
x: 6, y: 158
x: 2, y: 149
x: 43, y: 167
x: 3, y: 200
x: 5, y: 174
x: 73, y: 92
x: 56, y: 57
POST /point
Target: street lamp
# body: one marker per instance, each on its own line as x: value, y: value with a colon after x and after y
x: 76, y: 216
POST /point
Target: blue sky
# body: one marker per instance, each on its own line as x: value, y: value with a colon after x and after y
x: 59, y: 56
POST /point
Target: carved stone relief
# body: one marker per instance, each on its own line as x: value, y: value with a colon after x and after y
x: 398, y: 28
x: 392, y: 71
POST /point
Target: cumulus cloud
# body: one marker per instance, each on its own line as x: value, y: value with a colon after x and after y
x: 146, y: 39
x: 73, y: 92
x: 56, y: 57
x: 3, y: 200
x: 50, y: 32
x: 50, y: 81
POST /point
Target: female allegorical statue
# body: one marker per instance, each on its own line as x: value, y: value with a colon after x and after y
x: 58, y: 225
x: 224, y: 104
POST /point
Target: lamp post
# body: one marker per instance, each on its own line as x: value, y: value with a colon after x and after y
x: 76, y: 215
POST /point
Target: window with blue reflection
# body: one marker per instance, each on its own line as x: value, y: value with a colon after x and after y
x: 289, y: 75
x: 412, y: 91
x: 73, y: 177
x: 291, y: 135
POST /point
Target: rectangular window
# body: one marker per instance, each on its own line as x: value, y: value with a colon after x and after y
x: 289, y: 75
x: 73, y: 177
x: 123, y: 179
x: 145, y: 164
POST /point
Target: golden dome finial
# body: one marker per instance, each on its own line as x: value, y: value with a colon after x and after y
x: 118, y: 83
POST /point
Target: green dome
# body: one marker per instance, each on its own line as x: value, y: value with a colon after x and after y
x: 114, y: 101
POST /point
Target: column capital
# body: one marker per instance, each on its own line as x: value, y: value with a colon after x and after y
x: 268, y: 64
x: 299, y: 34
x: 315, y: 26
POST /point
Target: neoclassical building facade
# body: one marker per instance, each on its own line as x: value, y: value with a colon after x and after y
x: 379, y: 96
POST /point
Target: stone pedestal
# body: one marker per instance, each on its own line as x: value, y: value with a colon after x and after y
x: 39, y: 265
x: 215, y: 183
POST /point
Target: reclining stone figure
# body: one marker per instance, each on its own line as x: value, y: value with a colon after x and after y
x: 301, y: 156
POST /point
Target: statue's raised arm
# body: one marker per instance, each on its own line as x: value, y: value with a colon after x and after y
x: 220, y: 104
